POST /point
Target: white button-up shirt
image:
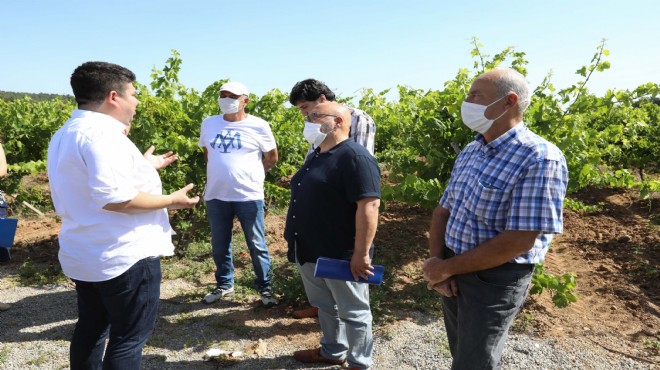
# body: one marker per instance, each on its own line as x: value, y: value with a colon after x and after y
x: 92, y: 163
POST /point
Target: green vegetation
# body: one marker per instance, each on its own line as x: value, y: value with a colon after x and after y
x: 561, y: 287
x: 608, y: 140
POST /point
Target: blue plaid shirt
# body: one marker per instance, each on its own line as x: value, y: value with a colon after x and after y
x: 516, y: 182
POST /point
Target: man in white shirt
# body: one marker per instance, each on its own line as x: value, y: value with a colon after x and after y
x: 114, y: 219
x: 238, y: 149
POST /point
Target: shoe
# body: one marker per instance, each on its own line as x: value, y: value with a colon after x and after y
x: 306, y: 313
x: 4, y: 306
x: 217, y: 294
x: 307, y: 356
x: 268, y: 298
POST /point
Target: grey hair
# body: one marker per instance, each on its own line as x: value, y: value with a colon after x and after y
x: 510, y: 81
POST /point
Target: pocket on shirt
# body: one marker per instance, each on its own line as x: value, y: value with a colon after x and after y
x: 488, y: 202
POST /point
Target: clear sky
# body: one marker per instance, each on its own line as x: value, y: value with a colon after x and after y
x: 349, y: 45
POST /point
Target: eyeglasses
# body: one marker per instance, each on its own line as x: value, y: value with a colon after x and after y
x: 312, y: 117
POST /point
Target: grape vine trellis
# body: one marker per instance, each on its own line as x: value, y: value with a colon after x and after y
x: 609, y: 140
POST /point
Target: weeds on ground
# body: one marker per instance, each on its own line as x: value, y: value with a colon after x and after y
x: 196, y: 263
x: 524, y: 323
x: 580, y: 207
x: 4, y: 354
x: 31, y: 273
x: 652, y: 344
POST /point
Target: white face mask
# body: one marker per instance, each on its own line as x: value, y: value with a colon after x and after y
x: 229, y: 105
x: 312, y: 133
x: 473, y: 116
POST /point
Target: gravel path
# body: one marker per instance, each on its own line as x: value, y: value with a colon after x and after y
x: 34, y: 334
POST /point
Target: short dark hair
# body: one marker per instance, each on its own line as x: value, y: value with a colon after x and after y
x: 310, y: 90
x: 92, y: 81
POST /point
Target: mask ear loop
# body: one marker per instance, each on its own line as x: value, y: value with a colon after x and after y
x: 503, y: 113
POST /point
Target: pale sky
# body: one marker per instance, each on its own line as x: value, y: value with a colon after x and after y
x: 349, y: 45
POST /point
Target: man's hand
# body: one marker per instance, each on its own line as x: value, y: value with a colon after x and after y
x: 447, y: 288
x: 361, y: 267
x: 436, y: 270
x: 180, y: 198
x: 159, y: 161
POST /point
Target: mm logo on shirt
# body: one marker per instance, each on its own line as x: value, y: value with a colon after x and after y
x: 226, y: 140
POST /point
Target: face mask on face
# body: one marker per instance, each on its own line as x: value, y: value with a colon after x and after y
x: 229, y: 105
x: 474, y: 118
x: 312, y: 133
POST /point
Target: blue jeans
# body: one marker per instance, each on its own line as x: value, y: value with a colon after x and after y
x: 344, y: 316
x: 251, y: 216
x: 123, y: 308
x: 478, y: 319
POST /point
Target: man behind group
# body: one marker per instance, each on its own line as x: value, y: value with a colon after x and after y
x: 495, y: 220
x: 306, y: 95
x: 238, y: 149
x: 114, y: 219
x: 334, y: 213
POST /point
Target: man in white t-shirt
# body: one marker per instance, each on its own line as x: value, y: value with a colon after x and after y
x: 115, y: 225
x: 238, y: 149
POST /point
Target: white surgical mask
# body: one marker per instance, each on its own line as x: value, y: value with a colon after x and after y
x: 229, y: 105
x: 312, y: 133
x: 473, y: 116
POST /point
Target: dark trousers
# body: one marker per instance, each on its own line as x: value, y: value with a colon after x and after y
x: 478, y: 319
x: 124, y: 309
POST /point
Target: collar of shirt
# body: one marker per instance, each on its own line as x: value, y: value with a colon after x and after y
x: 99, y: 117
x: 504, y: 139
x: 332, y: 150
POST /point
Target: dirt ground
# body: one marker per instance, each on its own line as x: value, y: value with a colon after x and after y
x: 615, y: 253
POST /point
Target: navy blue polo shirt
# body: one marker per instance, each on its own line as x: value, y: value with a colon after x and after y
x: 324, y: 194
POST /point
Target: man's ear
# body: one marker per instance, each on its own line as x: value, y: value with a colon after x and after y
x: 340, y: 120
x: 111, y: 98
x: 511, y: 100
x: 322, y: 99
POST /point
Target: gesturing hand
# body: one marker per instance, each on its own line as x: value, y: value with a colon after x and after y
x: 180, y: 198
x: 159, y: 161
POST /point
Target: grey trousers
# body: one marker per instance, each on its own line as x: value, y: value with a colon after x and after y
x: 344, y: 315
x: 478, y: 319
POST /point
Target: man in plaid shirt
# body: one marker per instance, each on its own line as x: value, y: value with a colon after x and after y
x: 495, y: 220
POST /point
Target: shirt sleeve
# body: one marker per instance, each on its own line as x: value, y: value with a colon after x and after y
x: 537, y: 199
x: 266, y: 139
x: 201, y: 136
x: 109, y: 170
x: 363, y: 178
x: 363, y: 130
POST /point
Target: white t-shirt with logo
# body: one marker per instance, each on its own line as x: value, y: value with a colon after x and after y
x: 234, y: 170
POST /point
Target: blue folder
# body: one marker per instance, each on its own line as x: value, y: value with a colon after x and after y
x: 330, y: 268
x: 7, y: 231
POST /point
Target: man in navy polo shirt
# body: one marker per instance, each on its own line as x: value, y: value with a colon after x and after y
x: 334, y: 213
